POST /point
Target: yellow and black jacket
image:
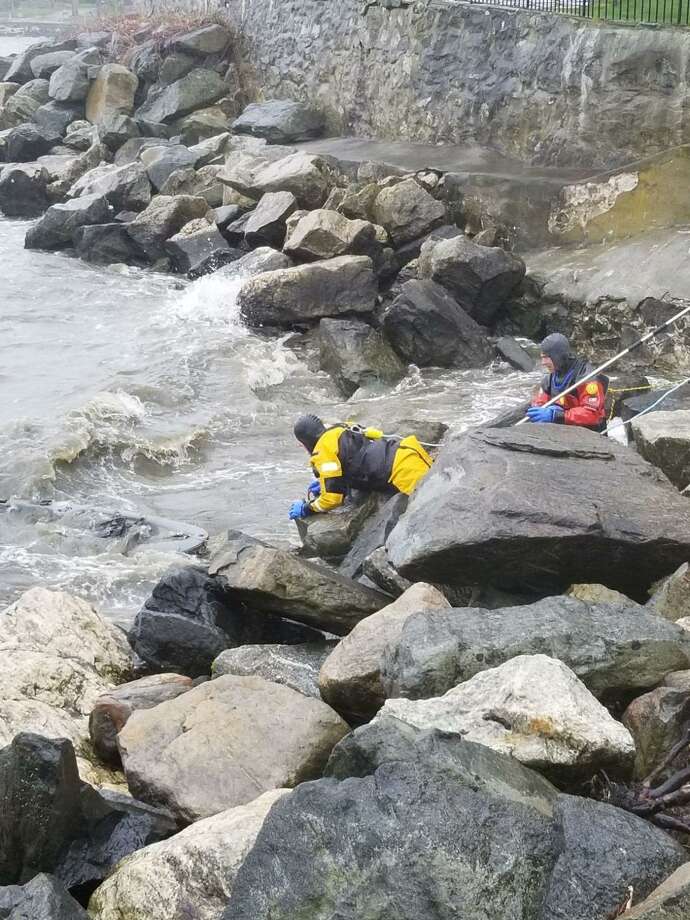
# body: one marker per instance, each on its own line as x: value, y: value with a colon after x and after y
x: 345, y: 458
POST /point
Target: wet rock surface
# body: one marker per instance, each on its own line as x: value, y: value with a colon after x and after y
x: 297, y: 666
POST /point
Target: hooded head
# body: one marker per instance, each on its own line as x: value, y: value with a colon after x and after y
x: 557, y: 348
x: 308, y: 429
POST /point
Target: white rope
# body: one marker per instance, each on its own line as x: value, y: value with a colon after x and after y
x: 621, y: 423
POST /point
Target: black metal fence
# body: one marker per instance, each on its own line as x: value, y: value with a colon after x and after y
x: 662, y: 12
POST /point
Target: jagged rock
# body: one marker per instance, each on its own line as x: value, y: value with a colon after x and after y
x: 125, y: 188
x: 44, y: 898
x: 202, y: 183
x: 23, y: 190
x: 174, y: 66
x: 112, y: 709
x: 657, y: 721
x: 53, y: 118
x: 407, y: 211
x: 201, y: 124
x: 43, y: 65
x: 205, y: 40
x: 512, y: 352
x: 671, y: 599
x: 480, y: 278
x: 193, y: 871
x: 508, y: 845
x: 164, y: 217
x: 199, y: 248
x: 272, y: 580
x: 428, y: 328
x: 597, y: 594
x: 350, y: 678
x: 307, y: 293
x: 373, y: 535
x: 57, y: 227
x: 209, y: 149
x: 663, y: 438
x: 257, y: 262
x: 115, y: 129
x: 106, y: 244
x: 613, y: 649
x: 670, y: 901
x: 324, y: 234
x: 566, y: 735
x: 80, y: 135
x: 7, y: 90
x: 28, y: 142
x: 378, y: 569
x: 266, y: 223
x: 130, y: 150
x: 251, y: 734
x: 70, y: 82
x: 188, y: 621
x: 64, y: 171
x: 20, y: 68
x: 355, y: 355
x: 296, y: 666
x: 280, y: 121
x: 329, y: 536
x: 22, y: 105
x: 607, y: 515
x: 300, y: 173
x: 198, y: 88
x: 111, y: 93
x: 160, y: 162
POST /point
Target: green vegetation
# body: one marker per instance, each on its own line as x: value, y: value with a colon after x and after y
x: 670, y: 12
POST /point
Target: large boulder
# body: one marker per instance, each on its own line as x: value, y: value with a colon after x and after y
x: 663, y: 438
x: 161, y: 162
x: 7, y: 90
x: 275, y: 581
x: 657, y: 721
x: 565, y: 734
x: 70, y: 82
x: 671, y: 598
x: 325, y: 234
x: 203, y: 183
x: 497, y: 501
x: 296, y: 666
x: 205, y: 40
x: 330, y: 536
x: 355, y: 355
x: 303, y: 174
x: 116, y: 129
x: 193, y: 871
x: 54, y: 117
x: 111, y: 93
x: 43, y: 898
x: 427, y: 327
x: 480, y: 278
x: 224, y: 743
x: 188, y: 621
x: 164, y: 217
x: 28, y: 142
x: 506, y: 845
x: 613, y: 649
x: 43, y: 65
x: 280, y: 121
x: 350, y: 678
x: 24, y: 190
x: 22, y: 105
x: 407, y: 211
x: 266, y: 223
x: 198, y: 88
x: 57, y: 227
x: 373, y: 536
x: 199, y: 248
x: 306, y: 293
x: 105, y: 244
x: 112, y: 709
x: 125, y: 188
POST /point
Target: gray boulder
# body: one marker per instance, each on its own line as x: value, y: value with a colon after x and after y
x: 303, y: 174
x: 325, y: 234
x: 225, y: 742
x: 22, y: 105
x: 670, y: 901
x: 266, y: 223
x: 112, y: 709
x: 607, y: 516
x: 20, y: 68
x: 306, y: 293
x: 663, y: 438
x: 160, y: 162
x: 671, y: 598
x: 296, y: 666
x: 271, y: 580
x: 111, y: 93
x: 280, y: 121
x: 164, y: 217
x: 428, y: 328
x: 407, y: 211
x: 175, y: 65
x: 79, y: 136
x: 199, y: 248
x: 43, y: 898
x: 565, y: 734
x: 330, y: 536
x: 70, y: 82
x: 125, y: 188
x: 613, y: 649
x: 23, y: 190
x: 105, y: 244
x: 373, y: 535
x: 210, y: 39
x: 7, y: 90
x: 202, y: 183
x: 198, y: 88
x: 657, y: 721
x: 54, y: 117
x: 480, y: 278
x: 57, y: 227
x: 208, y: 150
x: 355, y: 355
x: 202, y: 124
x: 44, y: 65
x: 29, y: 142
x: 115, y: 129
x: 512, y: 352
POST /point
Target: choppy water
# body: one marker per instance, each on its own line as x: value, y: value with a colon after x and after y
x: 131, y: 391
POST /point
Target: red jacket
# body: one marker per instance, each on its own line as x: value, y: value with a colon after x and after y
x: 585, y: 406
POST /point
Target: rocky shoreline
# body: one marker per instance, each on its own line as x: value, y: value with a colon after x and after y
x: 472, y: 704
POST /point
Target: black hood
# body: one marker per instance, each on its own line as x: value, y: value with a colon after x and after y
x: 557, y: 347
x: 308, y: 429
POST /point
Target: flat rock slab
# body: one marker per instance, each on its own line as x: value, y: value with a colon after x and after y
x: 296, y: 666
x: 541, y: 506
x: 224, y: 743
x: 663, y: 438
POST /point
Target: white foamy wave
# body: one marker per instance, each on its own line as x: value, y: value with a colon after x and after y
x: 208, y: 301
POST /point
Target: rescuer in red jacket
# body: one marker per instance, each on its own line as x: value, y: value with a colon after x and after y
x: 586, y: 405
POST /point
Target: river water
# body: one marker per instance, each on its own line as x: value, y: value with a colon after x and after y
x: 125, y: 390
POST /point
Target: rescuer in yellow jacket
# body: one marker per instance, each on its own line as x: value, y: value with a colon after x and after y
x: 345, y: 458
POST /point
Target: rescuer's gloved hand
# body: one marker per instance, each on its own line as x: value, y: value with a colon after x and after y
x: 314, y: 489
x: 545, y: 414
x: 299, y: 509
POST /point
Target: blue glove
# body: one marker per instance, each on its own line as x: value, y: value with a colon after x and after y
x: 545, y: 414
x: 299, y: 509
x: 314, y: 488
